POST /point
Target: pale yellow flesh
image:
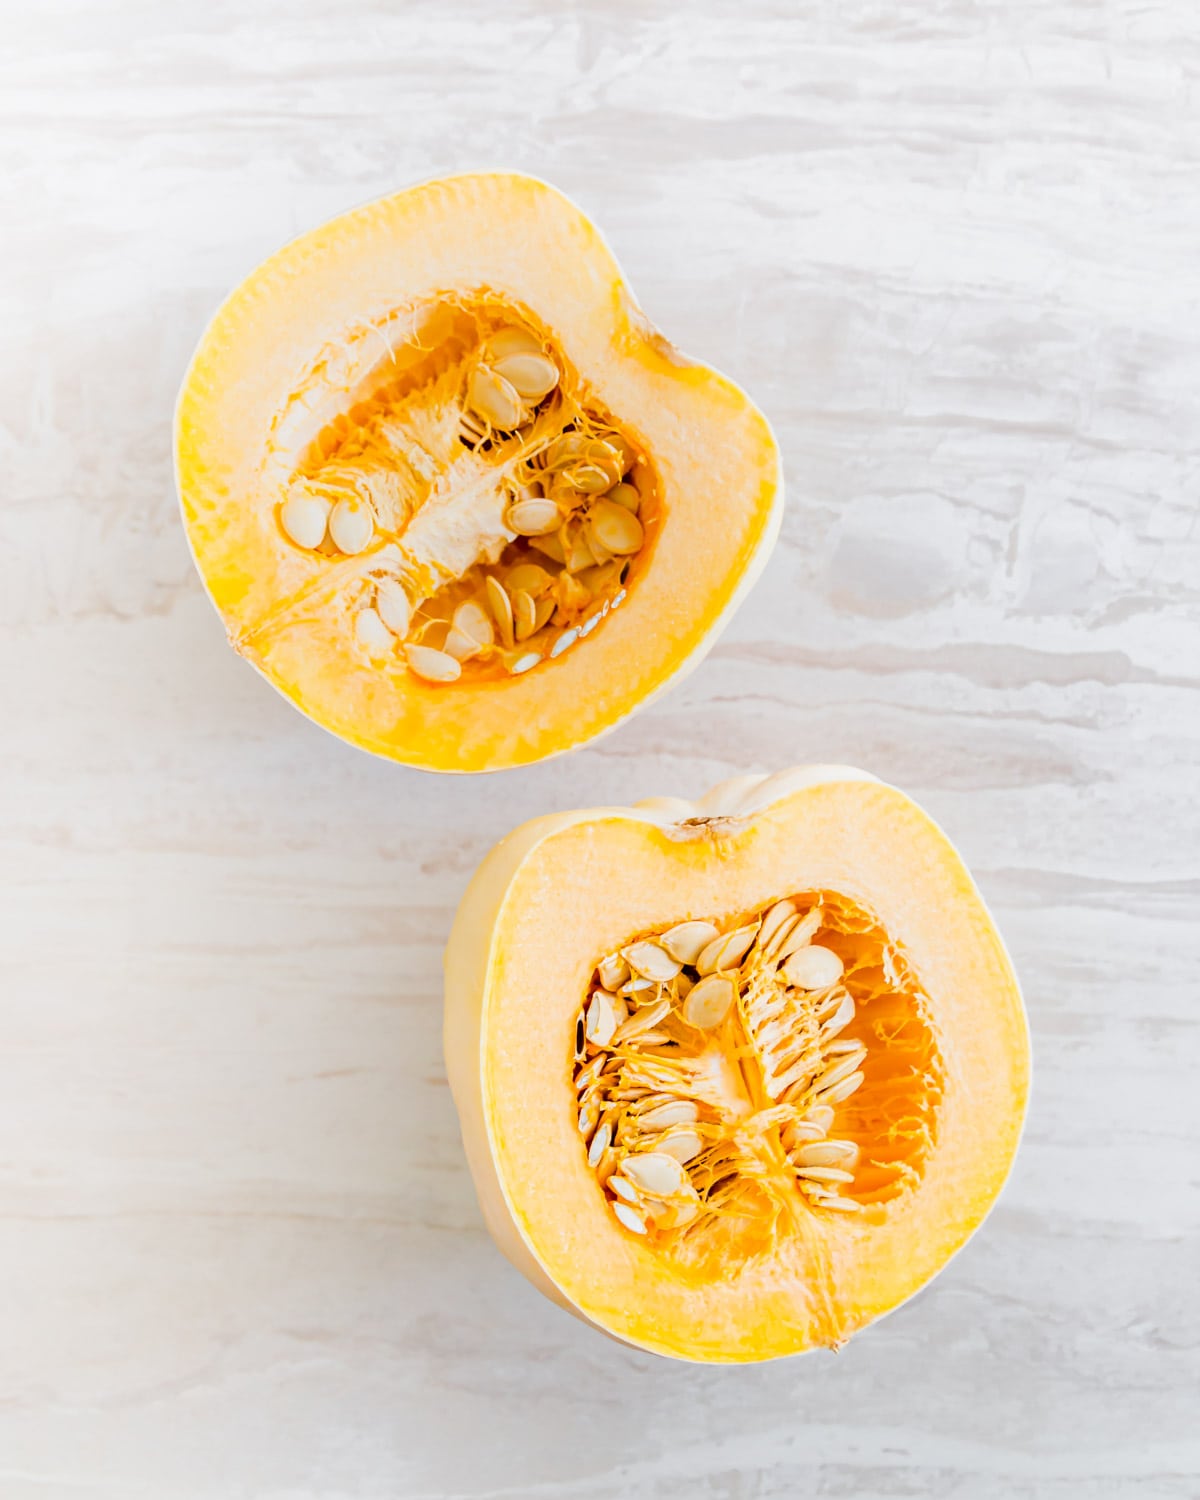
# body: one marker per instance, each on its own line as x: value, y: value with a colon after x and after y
x: 308, y: 334
x: 558, y: 895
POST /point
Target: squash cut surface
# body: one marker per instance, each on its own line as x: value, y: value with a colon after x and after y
x: 451, y: 493
x: 734, y: 1079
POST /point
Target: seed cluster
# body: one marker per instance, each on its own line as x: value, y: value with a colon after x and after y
x: 556, y: 520
x: 710, y: 1066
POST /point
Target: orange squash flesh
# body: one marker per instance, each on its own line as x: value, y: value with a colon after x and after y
x: 309, y: 342
x: 563, y: 891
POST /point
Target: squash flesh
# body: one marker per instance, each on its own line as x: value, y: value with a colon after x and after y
x: 310, y: 337
x: 819, y: 1281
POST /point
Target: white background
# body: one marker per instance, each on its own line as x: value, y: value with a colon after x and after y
x: 954, y: 251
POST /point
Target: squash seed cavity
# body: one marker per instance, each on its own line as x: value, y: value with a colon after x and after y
x: 478, y: 478
x: 732, y: 1075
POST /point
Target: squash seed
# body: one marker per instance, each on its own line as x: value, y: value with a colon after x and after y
x: 627, y: 1216
x: 709, y: 1001
x: 393, y: 606
x: 683, y: 1144
x: 826, y: 1154
x: 840, y: 1069
x: 511, y: 340
x: 799, y: 935
x: 600, y: 1143
x: 625, y: 1189
x: 772, y: 922
x: 657, y: 1173
x: 728, y: 950
x: 433, y: 665
x: 501, y: 608
x: 351, y: 526
x: 532, y: 517
x: 625, y: 495
x: 613, y: 971
x: 651, y: 961
x: 824, y: 1174
x: 522, y: 662
x: 532, y: 376
x: 618, y: 530
x: 687, y: 940
x: 840, y: 1092
x: 304, y: 519
x: 529, y: 577
x: 813, y: 968
x: 491, y: 397
x: 372, y: 633
x: 675, y: 1112
x: 524, y: 614
x: 564, y: 642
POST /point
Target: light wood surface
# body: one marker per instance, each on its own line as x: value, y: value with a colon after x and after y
x: 952, y: 248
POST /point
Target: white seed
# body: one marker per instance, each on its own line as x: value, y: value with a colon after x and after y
x: 675, y: 1112
x: 523, y: 663
x: 501, y: 607
x: 820, y: 1115
x: 625, y: 1189
x: 824, y: 1174
x: 512, y: 340
x: 772, y: 922
x: 657, y: 1173
x: 842, y: 1091
x: 625, y: 495
x: 840, y: 1019
x: 589, y: 1116
x: 472, y: 620
x: 833, y: 1200
x: 393, y: 605
x: 589, y: 479
x: 351, y: 526
x: 799, y: 935
x: 616, y: 529
x: 532, y: 517
x: 604, y: 1014
x: 461, y: 647
x: 708, y: 1002
x: 600, y: 1144
x: 564, y: 642
x: 651, y: 961
x: 636, y: 983
x: 826, y: 1154
x: 434, y: 666
x: 727, y: 951
x: 627, y: 1216
x: 531, y: 375
x: 683, y: 1144
x: 613, y: 971
x: 529, y: 577
x: 839, y: 1070
x: 642, y: 1022
x: 524, y: 614
x: 491, y: 397
x: 372, y: 634
x: 687, y: 940
x: 813, y: 968
x: 304, y: 519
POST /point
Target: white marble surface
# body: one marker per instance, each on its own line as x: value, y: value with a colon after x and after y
x: 953, y: 249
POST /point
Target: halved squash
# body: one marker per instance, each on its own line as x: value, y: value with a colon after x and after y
x: 451, y: 493
x: 734, y: 1077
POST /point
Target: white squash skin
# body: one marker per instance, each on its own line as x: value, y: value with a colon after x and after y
x: 468, y: 957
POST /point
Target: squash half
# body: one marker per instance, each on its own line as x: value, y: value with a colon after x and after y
x: 781, y: 1165
x: 449, y: 490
